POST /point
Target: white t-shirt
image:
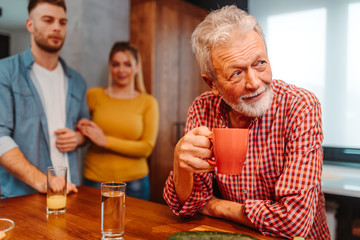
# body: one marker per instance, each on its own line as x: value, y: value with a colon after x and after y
x: 52, y: 90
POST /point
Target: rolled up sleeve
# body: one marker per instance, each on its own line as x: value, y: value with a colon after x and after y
x: 200, y: 195
x: 6, y: 144
x: 6, y: 112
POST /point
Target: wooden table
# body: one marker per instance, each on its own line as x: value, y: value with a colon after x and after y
x: 144, y: 219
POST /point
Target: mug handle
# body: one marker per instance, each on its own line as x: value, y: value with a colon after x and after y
x: 211, y: 162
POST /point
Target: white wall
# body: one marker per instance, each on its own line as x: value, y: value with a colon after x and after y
x: 93, y: 27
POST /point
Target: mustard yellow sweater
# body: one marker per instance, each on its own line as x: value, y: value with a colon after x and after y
x: 131, y: 127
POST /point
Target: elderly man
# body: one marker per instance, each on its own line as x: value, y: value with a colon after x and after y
x: 41, y: 100
x: 279, y: 189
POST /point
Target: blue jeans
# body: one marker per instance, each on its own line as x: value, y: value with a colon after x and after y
x: 139, y: 188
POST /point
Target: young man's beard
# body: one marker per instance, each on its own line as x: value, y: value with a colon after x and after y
x: 253, y: 109
x: 42, y: 44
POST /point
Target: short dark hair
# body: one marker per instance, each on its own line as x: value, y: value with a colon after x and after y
x: 32, y: 4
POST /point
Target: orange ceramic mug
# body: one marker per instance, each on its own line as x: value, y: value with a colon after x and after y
x: 229, y: 148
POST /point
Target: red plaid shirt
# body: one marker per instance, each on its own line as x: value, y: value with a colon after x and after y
x: 280, y: 184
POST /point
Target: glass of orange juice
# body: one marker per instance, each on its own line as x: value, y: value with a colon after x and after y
x: 56, y: 190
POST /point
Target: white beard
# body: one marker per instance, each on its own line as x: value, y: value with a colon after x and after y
x: 253, y: 109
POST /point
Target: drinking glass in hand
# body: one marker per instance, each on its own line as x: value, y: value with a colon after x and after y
x: 56, y: 190
x: 113, y: 210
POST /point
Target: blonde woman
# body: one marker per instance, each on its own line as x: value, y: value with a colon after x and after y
x: 124, y: 125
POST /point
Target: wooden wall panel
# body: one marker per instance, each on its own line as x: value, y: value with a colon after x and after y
x: 190, y: 82
x: 167, y: 68
x: 142, y: 34
x: 173, y: 70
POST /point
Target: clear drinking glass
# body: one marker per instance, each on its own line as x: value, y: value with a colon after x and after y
x: 6, y: 227
x: 56, y: 190
x: 113, y: 210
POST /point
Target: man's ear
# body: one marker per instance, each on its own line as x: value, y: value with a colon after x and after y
x: 29, y: 25
x: 211, y: 83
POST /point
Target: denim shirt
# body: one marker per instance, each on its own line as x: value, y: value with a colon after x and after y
x: 23, y: 121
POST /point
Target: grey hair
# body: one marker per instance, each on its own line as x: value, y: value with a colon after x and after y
x: 216, y: 30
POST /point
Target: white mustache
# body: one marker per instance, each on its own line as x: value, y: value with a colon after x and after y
x: 254, y: 94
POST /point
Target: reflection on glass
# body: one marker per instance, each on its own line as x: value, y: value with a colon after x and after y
x: 353, y: 79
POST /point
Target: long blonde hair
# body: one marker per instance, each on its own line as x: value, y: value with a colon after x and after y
x: 135, y: 59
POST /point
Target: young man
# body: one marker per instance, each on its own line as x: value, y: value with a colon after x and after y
x: 279, y: 189
x: 41, y: 100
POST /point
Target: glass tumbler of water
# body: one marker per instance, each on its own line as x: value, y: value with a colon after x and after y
x: 113, y: 210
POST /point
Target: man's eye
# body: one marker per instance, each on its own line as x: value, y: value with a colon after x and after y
x: 261, y: 62
x: 235, y: 74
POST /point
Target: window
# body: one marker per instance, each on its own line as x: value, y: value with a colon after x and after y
x: 353, y: 76
x: 302, y: 44
x: 316, y: 45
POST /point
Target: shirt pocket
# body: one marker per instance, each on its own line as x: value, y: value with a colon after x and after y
x: 25, y: 104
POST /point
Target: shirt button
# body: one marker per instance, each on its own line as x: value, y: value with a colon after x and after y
x: 245, y: 191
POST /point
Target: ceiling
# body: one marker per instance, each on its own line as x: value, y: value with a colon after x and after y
x: 14, y: 12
